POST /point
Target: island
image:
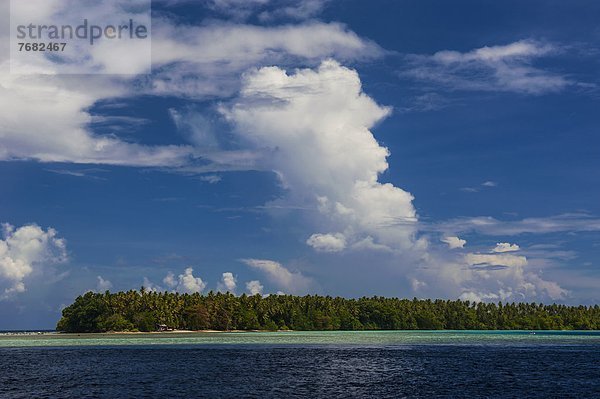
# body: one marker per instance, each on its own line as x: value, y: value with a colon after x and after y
x: 147, y: 311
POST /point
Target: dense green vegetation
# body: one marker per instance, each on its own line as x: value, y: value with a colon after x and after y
x: 145, y: 311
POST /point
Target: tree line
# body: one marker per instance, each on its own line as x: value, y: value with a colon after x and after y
x: 145, y: 310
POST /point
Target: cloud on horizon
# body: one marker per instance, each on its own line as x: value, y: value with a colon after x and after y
x: 277, y: 274
x: 25, y: 251
x: 228, y: 283
x: 254, y: 287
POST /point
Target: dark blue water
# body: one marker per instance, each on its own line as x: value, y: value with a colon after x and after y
x: 419, y: 371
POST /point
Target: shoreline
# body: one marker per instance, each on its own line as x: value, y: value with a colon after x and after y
x: 186, y: 332
x: 178, y: 332
x: 60, y: 333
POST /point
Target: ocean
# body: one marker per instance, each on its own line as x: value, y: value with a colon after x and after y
x: 378, y: 364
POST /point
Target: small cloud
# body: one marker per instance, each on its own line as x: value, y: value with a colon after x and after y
x: 170, y: 280
x: 426, y: 102
x: 196, y: 127
x: 327, y: 242
x: 89, y: 173
x: 484, y: 296
x: 264, y: 10
x: 212, y: 179
x: 227, y: 283
x: 185, y: 283
x: 150, y: 286
x: 470, y: 296
x: 454, y: 242
x: 482, y: 260
x: 190, y: 284
x: 486, y: 184
x: 294, y: 10
x: 369, y: 244
x: 484, y: 266
x: 293, y: 282
x: 506, y: 247
x: 103, y: 285
x: 254, y: 287
x: 417, y: 284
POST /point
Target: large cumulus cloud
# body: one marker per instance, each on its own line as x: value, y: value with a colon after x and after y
x: 316, y: 124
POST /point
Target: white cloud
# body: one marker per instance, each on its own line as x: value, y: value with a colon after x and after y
x: 315, y: 123
x: 268, y: 10
x: 63, y: 100
x: 227, y: 283
x: 122, y: 56
x: 417, y: 285
x: 170, y: 280
x: 477, y: 297
x: 188, y: 61
x: 211, y: 179
x: 200, y: 61
x: 327, y: 242
x: 510, y: 275
x: 296, y: 10
x: 490, y: 226
x: 184, y: 283
x: 196, y: 127
x: 550, y: 288
x: 190, y: 284
x: 293, y: 282
x: 368, y: 244
x: 470, y: 296
x: 495, y: 68
x: 517, y: 50
x: 425, y: 102
x: 486, y: 184
x: 524, y: 286
x: 506, y: 247
x: 150, y: 286
x: 454, y: 242
x: 502, y: 260
x: 254, y: 287
x: 103, y: 285
x: 59, y: 129
x: 484, y: 277
x: 25, y: 251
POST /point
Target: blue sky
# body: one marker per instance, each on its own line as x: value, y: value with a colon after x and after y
x: 399, y: 148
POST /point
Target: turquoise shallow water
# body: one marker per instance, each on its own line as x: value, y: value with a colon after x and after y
x: 301, y: 338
